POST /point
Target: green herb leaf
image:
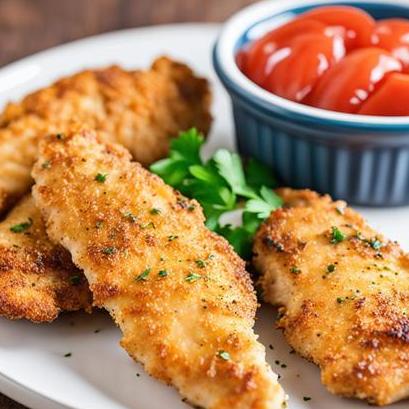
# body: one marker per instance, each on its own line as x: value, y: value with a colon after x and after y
x: 336, y: 235
x: 109, y: 251
x: 143, y: 276
x: 375, y: 244
x: 230, y: 168
x: 223, y: 355
x: 163, y: 273
x: 200, y: 263
x: 258, y: 175
x: 295, y: 270
x: 192, y: 277
x: 239, y: 238
x: 187, y: 146
x: 101, y: 177
x: 251, y: 222
x: 130, y: 216
x: 220, y: 185
x: 22, y: 227
x: 265, y: 204
x: 184, y: 152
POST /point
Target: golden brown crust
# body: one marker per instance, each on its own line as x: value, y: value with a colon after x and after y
x: 179, y: 293
x: 344, y: 304
x: 142, y: 110
x: 37, y: 278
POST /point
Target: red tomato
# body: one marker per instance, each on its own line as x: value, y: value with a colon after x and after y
x: 392, y: 97
x: 393, y: 35
x: 254, y: 64
x: 357, y: 25
x: 294, y: 70
x: 346, y: 85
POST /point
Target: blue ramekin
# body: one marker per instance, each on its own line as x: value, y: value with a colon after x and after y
x: 359, y: 158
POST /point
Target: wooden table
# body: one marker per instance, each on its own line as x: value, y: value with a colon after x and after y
x: 28, y: 26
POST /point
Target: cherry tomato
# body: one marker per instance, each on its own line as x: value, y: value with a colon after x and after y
x: 392, y: 97
x: 393, y: 35
x: 357, y: 25
x: 346, y: 85
x: 315, y: 53
x: 254, y: 64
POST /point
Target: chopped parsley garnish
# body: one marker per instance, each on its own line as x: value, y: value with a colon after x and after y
x: 191, y: 277
x: 101, y: 177
x: 130, y: 216
x: 60, y: 136
x: 149, y: 225
x: 200, y: 263
x: 172, y: 237
x: 46, y: 164
x: 67, y: 355
x: 223, y: 355
x: 337, y: 236
x: 375, y: 244
x: 331, y: 268
x: 22, y: 227
x: 340, y: 300
x: 144, y: 275
x: 220, y: 184
x: 295, y: 270
x: 340, y: 210
x: 99, y: 224
x: 163, y: 273
x: 75, y: 280
x: 109, y: 251
x: 155, y: 211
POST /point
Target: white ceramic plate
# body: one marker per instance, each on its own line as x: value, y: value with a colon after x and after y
x: 99, y: 374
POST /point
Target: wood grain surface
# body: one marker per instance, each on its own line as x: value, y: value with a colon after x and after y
x: 28, y: 26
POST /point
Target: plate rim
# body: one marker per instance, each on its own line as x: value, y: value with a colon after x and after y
x: 64, y: 47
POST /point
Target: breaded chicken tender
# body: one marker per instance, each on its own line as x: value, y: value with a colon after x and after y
x: 141, y: 110
x: 37, y: 278
x: 344, y: 292
x: 179, y: 293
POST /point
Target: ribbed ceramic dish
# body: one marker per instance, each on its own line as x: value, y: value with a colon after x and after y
x: 362, y: 159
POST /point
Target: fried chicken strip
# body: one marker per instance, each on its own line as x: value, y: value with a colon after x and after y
x: 344, y: 292
x: 38, y: 279
x: 141, y: 110
x: 179, y: 293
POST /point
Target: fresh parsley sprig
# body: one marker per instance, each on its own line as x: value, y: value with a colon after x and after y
x: 220, y: 185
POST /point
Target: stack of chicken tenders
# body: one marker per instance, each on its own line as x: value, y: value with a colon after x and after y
x: 85, y: 224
